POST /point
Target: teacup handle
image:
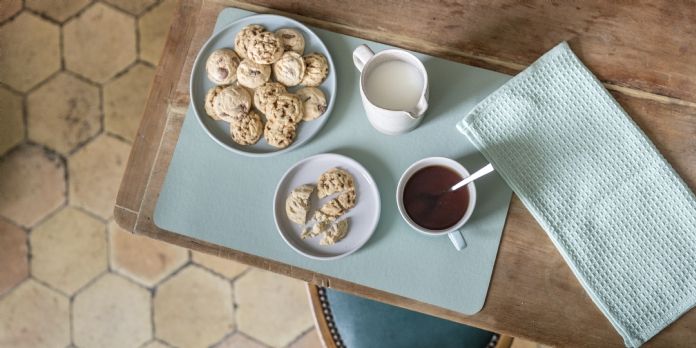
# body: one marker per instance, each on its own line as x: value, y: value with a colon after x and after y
x: 361, y: 55
x: 457, y: 239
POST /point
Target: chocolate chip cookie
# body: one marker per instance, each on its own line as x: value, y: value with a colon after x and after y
x: 284, y: 108
x: 243, y: 36
x: 247, y: 130
x: 264, y: 48
x: 316, y: 69
x: 210, y: 102
x: 252, y: 75
x: 279, y: 135
x: 335, y: 233
x: 263, y: 94
x: 313, y: 102
x: 297, y: 203
x: 231, y: 103
x: 221, y: 66
x: 289, y: 69
x: 292, y: 40
x: 334, y: 180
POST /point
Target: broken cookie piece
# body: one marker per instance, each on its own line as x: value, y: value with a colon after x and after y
x: 334, y: 180
x: 297, y: 203
x: 332, y: 208
x: 335, y: 233
x: 321, y: 223
x: 347, y: 199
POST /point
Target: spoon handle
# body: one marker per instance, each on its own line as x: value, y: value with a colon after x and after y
x: 479, y: 173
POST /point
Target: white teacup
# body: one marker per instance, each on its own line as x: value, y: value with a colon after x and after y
x: 403, y: 110
x: 453, y: 232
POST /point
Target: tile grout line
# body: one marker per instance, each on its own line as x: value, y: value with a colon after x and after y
x: 223, y: 338
x: 78, y: 13
x: 172, y: 274
x: 102, y: 115
x: 87, y: 212
x: 11, y: 89
x: 136, y: 26
x: 82, y: 144
x: 150, y: 7
x: 42, y: 16
x: 300, y: 336
x: 114, y: 7
x: 61, y: 45
x: 71, y: 317
x: 153, y: 327
x: 119, y: 137
x: 108, y: 245
x: 43, y: 82
x: 49, y: 286
x: 14, y: 16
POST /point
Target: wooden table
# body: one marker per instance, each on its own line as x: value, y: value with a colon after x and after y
x: 645, y: 53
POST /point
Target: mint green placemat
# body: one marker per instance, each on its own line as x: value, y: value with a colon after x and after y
x: 225, y: 198
x: 621, y: 217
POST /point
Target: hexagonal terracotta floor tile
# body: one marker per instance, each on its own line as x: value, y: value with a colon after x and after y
x: 12, y: 130
x: 63, y: 113
x: 143, y: 259
x: 271, y: 308
x: 34, y: 57
x: 220, y: 265
x: 112, y: 312
x: 68, y: 250
x: 58, y: 10
x: 309, y: 340
x: 135, y: 7
x: 9, y: 8
x: 239, y: 340
x: 13, y: 258
x: 34, y: 316
x: 99, y: 43
x: 95, y: 174
x: 153, y: 28
x: 32, y: 184
x: 124, y: 100
x: 193, y: 309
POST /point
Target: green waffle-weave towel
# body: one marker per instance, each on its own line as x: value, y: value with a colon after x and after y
x: 622, y: 218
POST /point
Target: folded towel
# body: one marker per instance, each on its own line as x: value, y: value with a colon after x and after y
x: 620, y: 216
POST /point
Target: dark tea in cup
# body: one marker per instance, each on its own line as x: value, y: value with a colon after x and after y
x: 427, y: 201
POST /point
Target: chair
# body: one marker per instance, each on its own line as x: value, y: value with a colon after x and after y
x: 346, y: 320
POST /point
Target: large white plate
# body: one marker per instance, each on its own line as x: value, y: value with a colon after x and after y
x: 363, y: 217
x: 219, y: 130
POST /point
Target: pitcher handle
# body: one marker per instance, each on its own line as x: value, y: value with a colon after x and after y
x: 361, y: 55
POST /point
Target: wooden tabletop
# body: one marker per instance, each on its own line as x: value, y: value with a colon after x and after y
x: 644, y: 52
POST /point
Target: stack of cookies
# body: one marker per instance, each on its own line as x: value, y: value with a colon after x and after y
x: 253, y: 103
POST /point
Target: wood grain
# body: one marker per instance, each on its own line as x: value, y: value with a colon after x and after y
x: 147, y: 140
x: 533, y: 293
x: 319, y: 318
x: 644, y: 44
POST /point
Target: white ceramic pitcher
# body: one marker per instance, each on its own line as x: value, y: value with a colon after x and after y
x: 388, y: 121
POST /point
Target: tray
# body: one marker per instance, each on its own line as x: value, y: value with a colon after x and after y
x: 227, y: 199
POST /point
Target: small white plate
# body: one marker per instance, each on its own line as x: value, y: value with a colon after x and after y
x: 363, y: 218
x: 224, y: 38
